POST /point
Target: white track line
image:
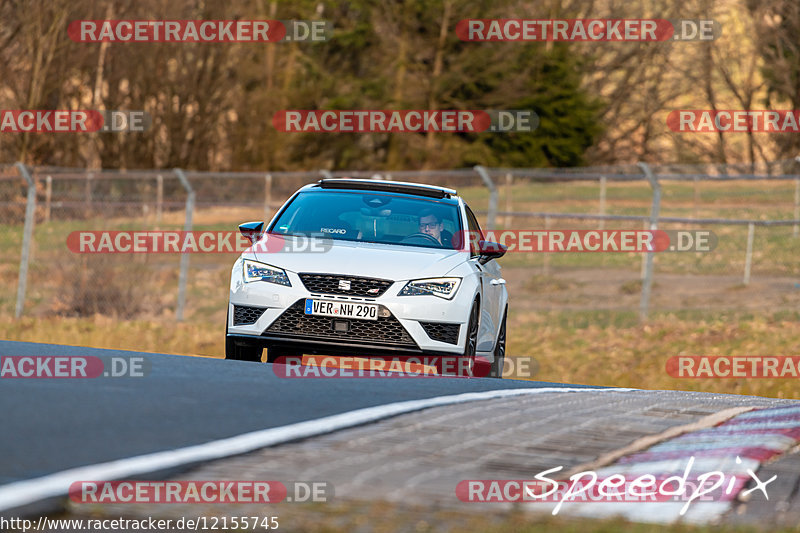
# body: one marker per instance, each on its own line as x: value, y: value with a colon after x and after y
x: 21, y: 493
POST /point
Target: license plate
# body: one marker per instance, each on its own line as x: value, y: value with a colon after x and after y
x: 341, y: 309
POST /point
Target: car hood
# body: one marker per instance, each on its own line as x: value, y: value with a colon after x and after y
x: 372, y: 260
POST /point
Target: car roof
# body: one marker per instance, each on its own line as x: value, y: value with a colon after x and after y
x: 418, y: 189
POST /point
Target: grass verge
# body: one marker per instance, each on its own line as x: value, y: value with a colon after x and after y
x: 608, y: 348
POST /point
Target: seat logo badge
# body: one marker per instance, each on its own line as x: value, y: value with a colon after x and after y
x: 373, y: 291
x: 344, y: 285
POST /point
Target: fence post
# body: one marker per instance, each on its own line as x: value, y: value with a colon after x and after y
x: 184, y: 271
x: 508, y: 208
x: 748, y: 258
x: 647, y: 282
x: 796, y: 229
x: 492, y: 215
x: 546, y: 258
x: 27, y: 238
x: 159, y: 198
x: 267, y: 196
x: 88, y: 192
x: 643, y: 273
x: 603, y: 183
x: 48, y: 197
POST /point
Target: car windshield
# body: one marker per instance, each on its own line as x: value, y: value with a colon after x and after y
x: 370, y: 216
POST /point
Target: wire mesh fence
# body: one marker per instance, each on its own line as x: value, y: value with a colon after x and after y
x: 753, y: 211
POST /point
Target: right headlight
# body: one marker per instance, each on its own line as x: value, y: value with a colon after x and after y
x: 442, y: 287
x: 255, y: 271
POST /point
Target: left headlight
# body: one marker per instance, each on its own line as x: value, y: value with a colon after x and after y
x: 442, y: 287
x: 255, y: 271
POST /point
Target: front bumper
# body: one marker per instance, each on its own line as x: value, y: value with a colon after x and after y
x: 280, y: 319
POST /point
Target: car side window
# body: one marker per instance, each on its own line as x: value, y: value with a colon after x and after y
x: 475, y: 233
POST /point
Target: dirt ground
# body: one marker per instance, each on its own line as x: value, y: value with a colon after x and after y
x: 592, y: 289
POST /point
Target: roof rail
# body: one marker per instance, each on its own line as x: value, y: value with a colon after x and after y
x: 418, y: 189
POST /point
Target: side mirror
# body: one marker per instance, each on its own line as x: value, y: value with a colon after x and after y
x: 252, y: 230
x: 488, y: 250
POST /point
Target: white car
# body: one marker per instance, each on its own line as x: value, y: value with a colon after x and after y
x: 387, y: 277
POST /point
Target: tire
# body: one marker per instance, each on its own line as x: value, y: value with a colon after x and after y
x: 241, y: 352
x: 499, y: 350
x: 274, y: 353
x: 471, y: 343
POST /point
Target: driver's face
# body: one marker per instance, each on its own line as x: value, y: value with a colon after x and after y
x: 429, y: 225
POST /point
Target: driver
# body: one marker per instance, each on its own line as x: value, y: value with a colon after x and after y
x: 431, y: 224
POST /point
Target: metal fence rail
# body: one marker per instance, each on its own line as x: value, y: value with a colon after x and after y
x: 188, y: 199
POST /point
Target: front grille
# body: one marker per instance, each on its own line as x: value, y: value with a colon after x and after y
x: 439, y: 331
x: 385, y: 330
x: 329, y: 284
x: 243, y: 315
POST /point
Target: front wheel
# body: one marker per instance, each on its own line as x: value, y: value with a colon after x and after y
x: 241, y: 352
x: 275, y: 353
x: 499, y: 350
x: 471, y: 344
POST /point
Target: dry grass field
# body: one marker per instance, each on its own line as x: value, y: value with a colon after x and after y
x: 576, y: 314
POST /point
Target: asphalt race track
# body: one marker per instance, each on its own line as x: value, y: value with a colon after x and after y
x: 50, y: 425
x: 209, y: 418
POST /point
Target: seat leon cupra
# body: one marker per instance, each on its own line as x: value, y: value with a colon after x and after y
x: 397, y: 270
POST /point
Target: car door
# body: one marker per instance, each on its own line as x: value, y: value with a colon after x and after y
x: 492, y: 286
